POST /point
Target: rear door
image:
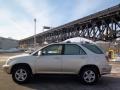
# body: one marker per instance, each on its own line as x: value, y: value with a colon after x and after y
x: 74, y: 56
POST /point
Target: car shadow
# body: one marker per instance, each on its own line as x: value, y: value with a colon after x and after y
x: 63, y: 82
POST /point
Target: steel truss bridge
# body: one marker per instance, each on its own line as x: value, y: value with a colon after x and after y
x: 103, y: 25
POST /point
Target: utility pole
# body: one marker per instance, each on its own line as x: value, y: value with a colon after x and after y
x: 34, y: 33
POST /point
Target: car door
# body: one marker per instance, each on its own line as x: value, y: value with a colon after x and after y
x: 73, y: 57
x: 50, y: 59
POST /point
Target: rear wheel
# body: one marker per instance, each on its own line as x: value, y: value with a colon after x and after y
x: 21, y: 74
x: 89, y: 76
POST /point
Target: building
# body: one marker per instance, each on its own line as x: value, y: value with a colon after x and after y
x: 7, y: 43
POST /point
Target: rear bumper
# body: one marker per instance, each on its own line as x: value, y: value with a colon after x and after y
x: 6, y: 68
x: 106, y: 69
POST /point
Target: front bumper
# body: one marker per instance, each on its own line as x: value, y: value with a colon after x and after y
x: 106, y: 69
x: 6, y: 68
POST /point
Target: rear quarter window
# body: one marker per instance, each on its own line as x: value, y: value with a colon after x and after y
x: 93, y: 48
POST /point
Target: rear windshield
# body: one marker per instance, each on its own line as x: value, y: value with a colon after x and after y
x: 93, y: 48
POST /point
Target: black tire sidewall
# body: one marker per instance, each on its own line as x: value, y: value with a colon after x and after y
x: 27, y: 78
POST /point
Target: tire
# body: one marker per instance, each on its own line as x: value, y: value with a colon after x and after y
x: 89, y: 76
x: 21, y: 74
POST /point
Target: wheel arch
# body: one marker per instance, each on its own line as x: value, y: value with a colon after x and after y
x: 89, y: 66
x: 21, y: 64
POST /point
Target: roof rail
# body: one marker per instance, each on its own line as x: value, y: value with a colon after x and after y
x: 68, y: 42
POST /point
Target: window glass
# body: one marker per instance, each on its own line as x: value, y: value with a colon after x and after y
x: 73, y: 50
x: 82, y: 52
x: 93, y: 48
x: 52, y: 50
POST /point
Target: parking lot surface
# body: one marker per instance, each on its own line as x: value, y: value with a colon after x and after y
x: 61, y: 82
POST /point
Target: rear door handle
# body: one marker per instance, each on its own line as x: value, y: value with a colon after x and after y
x: 82, y: 57
x: 57, y: 58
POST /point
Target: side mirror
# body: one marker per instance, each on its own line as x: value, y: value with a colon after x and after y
x: 39, y: 53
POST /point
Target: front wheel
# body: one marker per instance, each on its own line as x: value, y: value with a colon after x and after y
x: 21, y: 75
x: 89, y: 76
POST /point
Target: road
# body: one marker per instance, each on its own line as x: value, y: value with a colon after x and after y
x: 107, y: 82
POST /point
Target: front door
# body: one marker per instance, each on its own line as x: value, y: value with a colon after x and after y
x: 50, y: 60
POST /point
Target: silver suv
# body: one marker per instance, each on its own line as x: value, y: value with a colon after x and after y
x: 84, y: 60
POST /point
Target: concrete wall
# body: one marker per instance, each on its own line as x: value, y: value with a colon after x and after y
x: 6, y: 43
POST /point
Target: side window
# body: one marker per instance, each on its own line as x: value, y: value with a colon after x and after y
x: 72, y: 49
x: 93, y: 48
x: 82, y: 52
x: 52, y: 50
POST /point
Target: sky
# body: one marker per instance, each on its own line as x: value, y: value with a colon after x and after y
x: 17, y: 16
